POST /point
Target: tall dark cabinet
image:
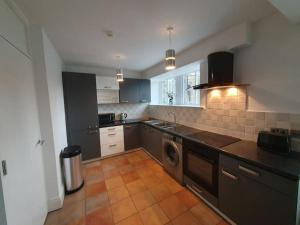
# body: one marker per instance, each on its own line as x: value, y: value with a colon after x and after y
x: 82, y: 113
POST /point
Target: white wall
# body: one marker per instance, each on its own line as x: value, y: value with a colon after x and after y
x: 271, y: 66
x: 101, y: 71
x: 54, y: 67
x: 48, y: 68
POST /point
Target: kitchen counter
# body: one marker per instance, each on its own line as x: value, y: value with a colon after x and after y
x: 120, y: 122
x: 284, y: 165
x: 247, y: 151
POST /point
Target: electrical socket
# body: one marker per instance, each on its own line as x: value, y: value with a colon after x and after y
x: 280, y: 131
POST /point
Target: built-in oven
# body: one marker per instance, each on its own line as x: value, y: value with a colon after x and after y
x: 200, y: 167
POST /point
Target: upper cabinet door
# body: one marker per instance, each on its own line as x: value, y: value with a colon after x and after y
x: 144, y: 91
x: 107, y: 83
x: 135, y: 91
x: 129, y: 91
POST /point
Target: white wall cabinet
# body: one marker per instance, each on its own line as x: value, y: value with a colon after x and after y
x: 107, y: 83
x: 112, y: 140
x: 107, y: 96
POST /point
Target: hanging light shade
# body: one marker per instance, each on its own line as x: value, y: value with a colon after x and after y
x: 119, y: 71
x: 170, y: 53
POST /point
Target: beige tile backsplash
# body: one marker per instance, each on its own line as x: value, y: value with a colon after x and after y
x: 226, y: 113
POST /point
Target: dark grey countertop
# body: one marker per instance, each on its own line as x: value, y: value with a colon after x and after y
x: 284, y: 165
x: 120, y: 122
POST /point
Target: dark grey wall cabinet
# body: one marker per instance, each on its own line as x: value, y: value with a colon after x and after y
x: 82, y: 113
x: 132, y: 136
x: 152, y: 141
x: 135, y: 91
x: 249, y: 195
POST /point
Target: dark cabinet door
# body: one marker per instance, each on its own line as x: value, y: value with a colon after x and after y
x: 249, y: 202
x: 144, y: 91
x: 156, y: 144
x: 132, y: 136
x: 81, y: 113
x: 262, y: 205
x: 129, y: 91
x: 230, y: 194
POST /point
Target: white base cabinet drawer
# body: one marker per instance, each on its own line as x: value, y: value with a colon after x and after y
x: 111, y: 137
x: 111, y: 129
x: 109, y: 149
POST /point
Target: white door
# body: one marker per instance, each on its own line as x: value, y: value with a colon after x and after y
x: 24, y: 185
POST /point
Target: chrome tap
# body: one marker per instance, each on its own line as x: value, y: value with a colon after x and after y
x: 174, y: 116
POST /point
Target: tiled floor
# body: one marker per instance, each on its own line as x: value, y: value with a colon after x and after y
x: 132, y: 189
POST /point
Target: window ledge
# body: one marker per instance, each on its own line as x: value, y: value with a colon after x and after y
x: 184, y: 106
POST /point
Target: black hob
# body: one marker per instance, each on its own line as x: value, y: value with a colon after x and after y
x: 213, y: 139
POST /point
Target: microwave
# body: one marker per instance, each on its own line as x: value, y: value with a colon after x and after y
x: 106, y: 118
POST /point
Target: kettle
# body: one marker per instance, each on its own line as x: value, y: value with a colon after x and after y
x: 123, y: 116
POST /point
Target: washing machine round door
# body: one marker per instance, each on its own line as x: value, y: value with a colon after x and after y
x: 171, y: 153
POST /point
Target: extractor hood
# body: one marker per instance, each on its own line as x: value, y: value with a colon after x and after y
x: 220, y: 71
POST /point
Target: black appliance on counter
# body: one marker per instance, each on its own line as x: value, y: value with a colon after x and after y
x: 201, y: 163
x: 106, y: 118
x: 274, y: 142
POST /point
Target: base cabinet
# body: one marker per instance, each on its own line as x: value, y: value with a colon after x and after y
x: 250, y: 201
x: 132, y: 136
x: 151, y: 139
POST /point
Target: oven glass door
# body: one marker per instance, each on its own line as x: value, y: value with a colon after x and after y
x: 202, y: 170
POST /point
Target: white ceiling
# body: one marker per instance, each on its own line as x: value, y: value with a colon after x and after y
x: 76, y: 27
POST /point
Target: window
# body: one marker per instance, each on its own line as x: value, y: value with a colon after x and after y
x: 175, y: 87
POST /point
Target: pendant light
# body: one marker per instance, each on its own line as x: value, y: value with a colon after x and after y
x: 170, y: 53
x: 119, y: 70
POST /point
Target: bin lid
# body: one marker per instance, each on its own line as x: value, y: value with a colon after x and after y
x: 71, y: 151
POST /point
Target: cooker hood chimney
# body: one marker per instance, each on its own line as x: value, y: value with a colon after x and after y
x: 220, y: 71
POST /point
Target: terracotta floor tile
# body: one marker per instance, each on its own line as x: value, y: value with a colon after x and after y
x: 94, y: 179
x: 186, y: 218
x: 134, y: 158
x: 118, y: 194
x: 114, y: 182
x: 144, y: 172
x: 92, y: 164
x: 138, y: 164
x: 135, y: 187
x: 102, y: 216
x: 97, y: 201
x: 173, y: 186
x: 154, y: 215
x: 75, y: 197
x: 172, y: 207
x: 132, y: 220
x: 121, y: 162
x: 126, y: 169
x: 143, y: 200
x: 151, y: 181
x: 80, y: 221
x: 107, y: 164
x: 187, y: 198
x: 93, y: 171
x: 160, y: 192
x: 111, y: 173
x: 205, y: 215
x: 71, y: 213
x: 129, y: 177
x: 123, y: 209
x: 94, y: 189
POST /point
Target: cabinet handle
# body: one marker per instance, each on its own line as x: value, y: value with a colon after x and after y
x: 249, y: 171
x: 111, y: 128
x: 124, y: 101
x: 107, y: 86
x: 112, y: 145
x: 112, y: 134
x: 230, y: 175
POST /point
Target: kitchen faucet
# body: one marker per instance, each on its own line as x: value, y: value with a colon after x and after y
x: 174, y: 115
